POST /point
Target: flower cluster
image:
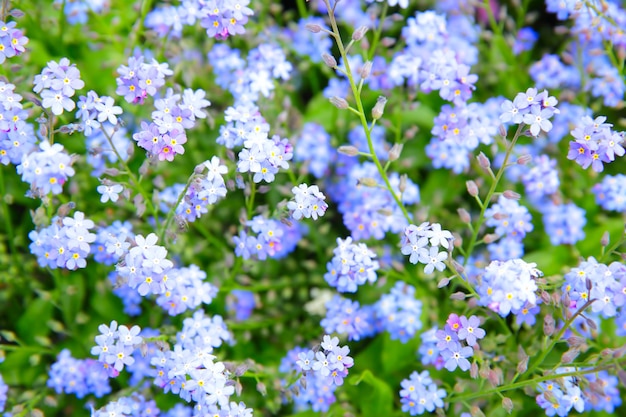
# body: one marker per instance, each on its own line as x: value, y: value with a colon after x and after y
x: 564, y: 223
x: 509, y: 286
x: 421, y: 243
x: 596, y: 143
x: 611, y: 192
x: 63, y: 244
x: 145, y: 267
x: 94, y: 110
x: 12, y: 41
x: 331, y: 362
x: 165, y: 135
x: 80, y: 377
x: 457, y: 340
x: 115, y: 346
x: 323, y: 371
x: 77, y: 11
x: 205, y: 189
x: 308, y: 202
x: 190, y: 370
x: 559, y: 398
x: 220, y: 19
x: 4, y: 388
x: 133, y: 406
x: 347, y: 317
x: 46, y: 170
x: 399, y: 312
x: 353, y: 264
x: 419, y: 394
x: 248, y: 79
x: 459, y: 130
x: 17, y: 137
x: 140, y: 79
x: 595, y: 281
x: 532, y: 109
x: 313, y: 149
x: 370, y: 211
x: 57, y: 83
x: 271, y: 238
x: 511, y: 221
x: 190, y: 290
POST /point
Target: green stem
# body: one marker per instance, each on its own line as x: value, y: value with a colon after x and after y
x: 612, y: 248
x: 557, y: 338
x: 138, y: 30
x: 8, y: 223
x: 132, y: 176
x: 302, y: 9
x: 361, y: 112
x: 170, y: 214
x: 481, y: 219
x: 378, y: 32
x: 533, y: 381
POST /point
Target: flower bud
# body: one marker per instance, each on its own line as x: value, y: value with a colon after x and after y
x: 575, y: 341
x: 443, y: 282
x: 395, y: 151
x: 476, y: 412
x: 605, y: 239
x: 524, y: 159
x: 348, y: 150
x: 403, y: 180
x: 507, y: 404
x: 459, y: 268
x: 474, y: 370
x: 548, y: 325
x: 569, y: 356
x: 261, y: 388
x: 483, y: 161
x: 495, y: 377
x: 339, y: 102
x: 472, y: 188
x: 379, y: 108
x: 545, y: 297
x: 312, y: 27
x: 366, y: 70
x: 329, y: 60
x: 460, y: 296
x: 358, y: 34
x: 511, y: 195
x: 464, y: 215
x: 522, y: 366
x: 368, y: 182
x: 502, y: 131
x: 490, y: 238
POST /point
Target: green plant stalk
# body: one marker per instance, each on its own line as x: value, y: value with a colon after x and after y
x: 145, y: 7
x: 9, y: 224
x: 378, y: 32
x: 361, y: 112
x: 170, y: 214
x: 533, y: 381
x: 606, y: 253
x: 132, y: 176
x: 302, y: 9
x: 557, y: 338
x: 492, y: 190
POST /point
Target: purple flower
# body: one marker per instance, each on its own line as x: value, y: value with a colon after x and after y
x: 456, y: 356
x: 470, y: 331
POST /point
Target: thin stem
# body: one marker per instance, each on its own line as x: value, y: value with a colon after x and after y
x: 361, y: 112
x: 492, y: 190
x: 170, y: 214
x: 132, y: 176
x: 533, y: 381
x: 558, y: 336
x: 378, y: 32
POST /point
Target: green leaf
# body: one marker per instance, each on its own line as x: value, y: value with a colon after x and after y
x: 34, y: 321
x: 375, y: 400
